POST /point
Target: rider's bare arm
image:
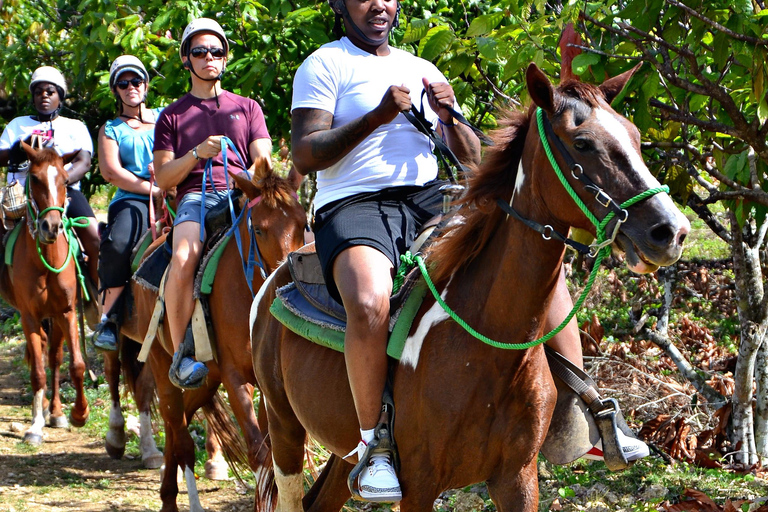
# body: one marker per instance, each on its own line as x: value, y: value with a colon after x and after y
x: 170, y: 171
x: 316, y: 146
x: 460, y: 138
x: 112, y: 168
x: 80, y: 165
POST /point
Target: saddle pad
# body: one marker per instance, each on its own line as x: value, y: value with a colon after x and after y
x: 295, y: 312
x: 10, y: 242
x: 139, y: 249
x: 206, y: 273
x: 151, y: 270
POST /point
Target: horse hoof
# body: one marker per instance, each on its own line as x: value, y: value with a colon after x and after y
x: 58, y: 422
x: 115, y: 452
x: 33, y: 439
x: 216, y: 470
x: 153, y: 461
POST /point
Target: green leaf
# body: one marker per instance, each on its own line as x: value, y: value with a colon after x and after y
x: 437, y: 41
x: 487, y: 47
x: 415, y: 31
x: 484, y: 24
x: 582, y: 62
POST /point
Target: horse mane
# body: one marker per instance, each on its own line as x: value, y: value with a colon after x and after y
x: 275, y: 190
x: 461, y: 242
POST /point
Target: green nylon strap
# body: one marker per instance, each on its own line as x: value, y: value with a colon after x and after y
x: 72, y: 246
x: 603, y: 251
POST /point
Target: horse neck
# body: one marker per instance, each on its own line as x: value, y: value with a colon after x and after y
x: 517, y: 271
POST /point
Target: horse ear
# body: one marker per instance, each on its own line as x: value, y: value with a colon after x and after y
x: 29, y: 150
x: 540, y: 88
x: 569, y: 40
x: 245, y: 184
x: 613, y: 86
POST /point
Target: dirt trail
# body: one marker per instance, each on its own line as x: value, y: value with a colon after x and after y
x: 71, y: 471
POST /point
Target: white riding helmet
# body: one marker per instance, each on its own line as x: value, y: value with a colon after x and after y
x: 123, y: 64
x: 50, y: 75
x: 202, y: 25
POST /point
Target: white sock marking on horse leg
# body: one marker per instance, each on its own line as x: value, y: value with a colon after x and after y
x: 147, y: 444
x: 620, y: 133
x: 413, y: 343
x: 38, y: 415
x: 290, y: 490
x: 194, y: 497
x: 116, y: 432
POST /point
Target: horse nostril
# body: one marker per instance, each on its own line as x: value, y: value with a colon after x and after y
x: 681, y: 238
x: 662, y: 235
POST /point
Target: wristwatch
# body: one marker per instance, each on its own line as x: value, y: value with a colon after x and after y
x: 194, y: 153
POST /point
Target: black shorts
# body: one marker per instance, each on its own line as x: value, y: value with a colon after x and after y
x: 78, y: 204
x: 388, y: 220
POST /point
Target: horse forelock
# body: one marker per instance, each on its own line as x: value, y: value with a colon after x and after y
x: 587, y: 95
x: 276, y: 191
x: 495, y: 178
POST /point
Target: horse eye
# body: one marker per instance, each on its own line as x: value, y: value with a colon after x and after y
x: 582, y: 145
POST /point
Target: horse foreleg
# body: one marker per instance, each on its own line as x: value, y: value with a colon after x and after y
x: 80, y: 412
x: 114, y: 442
x: 329, y: 492
x: 57, y: 418
x: 33, y: 332
x: 516, y: 490
x: 216, y: 466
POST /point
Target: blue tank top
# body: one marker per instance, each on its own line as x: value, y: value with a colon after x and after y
x: 135, y: 149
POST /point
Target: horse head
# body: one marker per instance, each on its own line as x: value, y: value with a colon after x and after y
x: 277, y: 218
x: 598, y: 151
x: 46, y: 191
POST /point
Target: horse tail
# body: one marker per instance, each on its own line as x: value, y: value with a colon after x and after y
x: 131, y: 368
x: 219, y: 416
x: 266, y: 488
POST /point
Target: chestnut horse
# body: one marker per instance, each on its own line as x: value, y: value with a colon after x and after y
x: 42, y: 284
x: 467, y: 411
x: 277, y: 223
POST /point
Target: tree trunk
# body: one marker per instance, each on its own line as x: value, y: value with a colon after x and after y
x: 761, y: 401
x: 752, y: 319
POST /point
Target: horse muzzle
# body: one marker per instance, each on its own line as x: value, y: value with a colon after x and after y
x: 48, y: 230
x: 653, y: 235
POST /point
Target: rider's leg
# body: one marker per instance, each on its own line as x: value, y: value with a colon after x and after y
x: 179, y: 301
x: 568, y: 343
x: 363, y: 276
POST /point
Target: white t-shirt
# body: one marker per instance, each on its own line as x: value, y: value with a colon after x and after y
x: 348, y: 82
x: 69, y: 135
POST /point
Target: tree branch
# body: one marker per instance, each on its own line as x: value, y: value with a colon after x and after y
x: 716, y: 25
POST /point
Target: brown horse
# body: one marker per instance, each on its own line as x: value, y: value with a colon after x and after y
x: 466, y: 411
x: 42, y: 284
x: 278, y: 222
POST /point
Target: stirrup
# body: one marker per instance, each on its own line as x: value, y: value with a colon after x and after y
x: 605, y: 411
x: 383, y: 440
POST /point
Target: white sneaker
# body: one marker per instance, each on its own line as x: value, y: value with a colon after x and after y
x: 378, y: 482
x: 633, y: 448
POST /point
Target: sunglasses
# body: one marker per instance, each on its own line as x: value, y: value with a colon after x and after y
x: 123, y: 84
x: 200, y: 52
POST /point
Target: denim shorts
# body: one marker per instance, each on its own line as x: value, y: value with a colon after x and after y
x: 189, y: 208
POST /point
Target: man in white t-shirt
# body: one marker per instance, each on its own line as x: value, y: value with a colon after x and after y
x: 47, y: 127
x: 376, y: 186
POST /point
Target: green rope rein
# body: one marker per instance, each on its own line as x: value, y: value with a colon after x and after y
x: 602, y: 246
x: 72, y: 246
